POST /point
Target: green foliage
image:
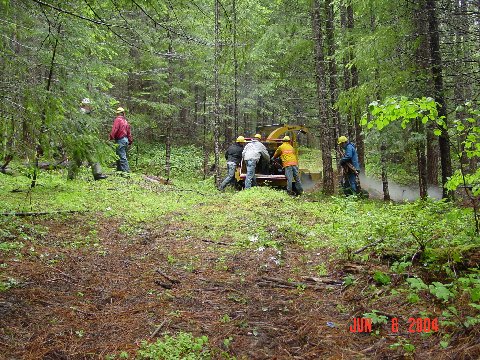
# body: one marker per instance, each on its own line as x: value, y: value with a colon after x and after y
x: 376, y: 318
x: 400, y: 266
x: 349, y: 280
x: 186, y: 162
x: 467, y: 131
x: 381, y: 278
x: 450, y: 298
x: 401, y: 108
x: 225, y: 319
x: 11, y: 246
x: 9, y: 283
x: 182, y: 346
x: 321, y: 270
x: 404, y: 344
x: 417, y: 284
x: 441, y: 291
x: 464, y: 128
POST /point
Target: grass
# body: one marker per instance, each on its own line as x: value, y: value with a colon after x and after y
x: 262, y: 216
x: 437, y: 236
x: 270, y: 216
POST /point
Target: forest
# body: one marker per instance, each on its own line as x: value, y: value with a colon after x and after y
x: 152, y: 261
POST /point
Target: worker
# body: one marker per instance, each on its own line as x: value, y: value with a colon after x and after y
x: 350, y: 164
x: 83, y: 147
x: 287, y: 154
x: 252, y: 153
x: 233, y: 155
x: 122, y: 135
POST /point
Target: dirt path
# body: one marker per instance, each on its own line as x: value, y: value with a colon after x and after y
x: 98, y: 300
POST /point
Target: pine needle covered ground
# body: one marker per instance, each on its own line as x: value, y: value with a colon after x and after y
x: 132, y: 268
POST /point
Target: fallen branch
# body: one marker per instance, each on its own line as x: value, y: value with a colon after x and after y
x: 39, y: 213
x: 267, y: 284
x: 269, y: 281
x: 162, y: 284
x: 323, y: 281
x: 216, y: 242
x: 157, y: 180
x: 281, y: 281
x: 351, y: 268
x: 172, y: 280
x: 63, y: 163
x: 82, y: 312
x: 159, y: 327
x: 369, y: 245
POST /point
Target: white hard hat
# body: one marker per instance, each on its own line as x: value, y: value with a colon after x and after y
x: 86, y: 101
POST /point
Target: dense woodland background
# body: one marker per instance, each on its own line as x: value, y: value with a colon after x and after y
x: 202, y: 72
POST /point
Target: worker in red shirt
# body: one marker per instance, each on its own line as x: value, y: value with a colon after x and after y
x: 123, y: 137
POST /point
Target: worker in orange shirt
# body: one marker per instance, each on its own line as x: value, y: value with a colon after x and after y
x: 287, y: 154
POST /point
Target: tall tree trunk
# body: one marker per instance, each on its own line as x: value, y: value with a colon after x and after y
x: 43, y: 127
x: 332, y: 71
x: 432, y: 156
x: 216, y: 127
x: 347, y: 81
x: 462, y: 84
x: 170, y: 119
x: 347, y: 20
x: 259, y: 112
x: 383, y: 152
x: 205, y: 131
x: 436, y: 60
x: 328, y: 182
x: 421, y: 162
x: 235, y: 68
x: 195, y: 106
x: 356, y: 113
x: 424, y: 85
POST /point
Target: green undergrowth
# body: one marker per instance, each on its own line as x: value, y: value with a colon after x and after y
x: 186, y: 162
x: 310, y: 159
x: 268, y: 217
x: 434, y: 232
x: 132, y: 198
x: 181, y: 346
x: 426, y: 245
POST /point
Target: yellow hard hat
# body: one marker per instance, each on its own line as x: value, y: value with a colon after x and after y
x: 286, y: 138
x: 342, y: 139
x: 120, y: 110
x: 258, y: 136
x: 240, y: 139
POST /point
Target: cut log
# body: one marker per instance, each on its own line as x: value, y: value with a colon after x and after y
x: 39, y: 213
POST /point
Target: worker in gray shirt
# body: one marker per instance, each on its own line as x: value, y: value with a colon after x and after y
x: 251, y: 154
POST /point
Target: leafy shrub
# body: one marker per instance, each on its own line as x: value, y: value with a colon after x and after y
x: 186, y: 162
x: 381, y: 278
x: 182, y: 346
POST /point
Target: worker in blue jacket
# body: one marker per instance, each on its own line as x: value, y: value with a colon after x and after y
x: 349, y: 162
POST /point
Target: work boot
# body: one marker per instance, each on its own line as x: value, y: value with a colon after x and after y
x: 100, y: 177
